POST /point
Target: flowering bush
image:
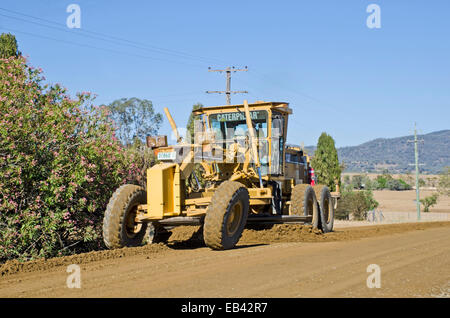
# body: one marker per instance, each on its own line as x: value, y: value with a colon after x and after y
x: 59, y: 164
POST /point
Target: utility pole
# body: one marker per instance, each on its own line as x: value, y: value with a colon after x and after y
x: 416, y: 157
x: 228, y: 92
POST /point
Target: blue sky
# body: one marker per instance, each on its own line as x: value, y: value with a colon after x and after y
x: 338, y: 75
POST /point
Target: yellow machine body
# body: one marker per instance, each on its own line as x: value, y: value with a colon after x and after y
x: 167, y: 193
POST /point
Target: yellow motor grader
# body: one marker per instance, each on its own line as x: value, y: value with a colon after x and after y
x: 236, y: 171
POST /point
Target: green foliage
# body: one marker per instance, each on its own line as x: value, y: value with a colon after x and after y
x: 355, y: 203
x: 357, y: 181
x: 134, y: 119
x: 139, y: 157
x: 381, y: 182
x: 59, y: 164
x: 8, y: 46
x: 397, y: 185
x: 403, y: 185
x: 388, y: 182
x: 360, y: 182
x: 429, y: 201
x: 385, y: 181
x: 325, y: 162
x: 444, y: 182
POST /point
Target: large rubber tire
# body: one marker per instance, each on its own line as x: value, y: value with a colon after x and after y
x: 326, y: 208
x: 304, y: 202
x: 119, y: 228
x: 226, y: 216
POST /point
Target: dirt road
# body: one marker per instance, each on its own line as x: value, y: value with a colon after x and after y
x: 414, y: 262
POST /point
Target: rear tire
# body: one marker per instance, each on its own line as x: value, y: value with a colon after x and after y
x: 304, y: 202
x: 226, y: 216
x: 119, y: 227
x: 326, y: 208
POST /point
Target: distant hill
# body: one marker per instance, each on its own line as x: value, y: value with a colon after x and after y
x: 395, y: 154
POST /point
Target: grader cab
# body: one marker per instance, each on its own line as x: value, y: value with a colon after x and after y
x: 236, y: 171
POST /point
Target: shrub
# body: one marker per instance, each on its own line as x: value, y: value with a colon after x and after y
x: 355, y: 203
x: 139, y: 158
x: 388, y: 182
x: 357, y: 181
x: 429, y: 201
x: 381, y: 182
x: 403, y: 185
x: 59, y: 164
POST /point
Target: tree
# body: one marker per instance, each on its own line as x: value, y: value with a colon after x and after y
x: 325, y: 162
x: 8, y: 46
x: 190, y: 123
x: 135, y: 119
x: 355, y: 203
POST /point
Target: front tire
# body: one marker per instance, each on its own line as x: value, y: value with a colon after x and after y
x: 119, y: 226
x: 226, y: 216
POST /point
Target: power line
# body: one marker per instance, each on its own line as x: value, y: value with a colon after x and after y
x: 228, y: 91
x: 125, y: 42
x: 109, y: 38
x: 99, y: 48
x: 117, y: 40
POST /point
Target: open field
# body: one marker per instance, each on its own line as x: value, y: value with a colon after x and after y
x: 430, y: 179
x: 285, y: 261
x: 405, y: 201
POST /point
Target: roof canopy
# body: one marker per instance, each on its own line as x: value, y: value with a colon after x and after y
x: 279, y: 106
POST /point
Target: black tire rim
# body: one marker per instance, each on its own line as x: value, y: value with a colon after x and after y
x: 131, y: 227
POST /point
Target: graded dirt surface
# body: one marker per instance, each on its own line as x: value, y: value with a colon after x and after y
x: 284, y: 261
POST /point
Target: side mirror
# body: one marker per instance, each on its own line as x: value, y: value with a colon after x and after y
x: 156, y: 141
